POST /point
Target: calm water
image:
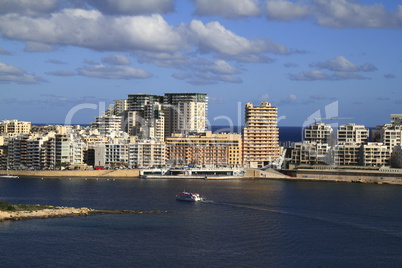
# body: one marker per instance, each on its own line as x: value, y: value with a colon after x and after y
x: 244, y: 223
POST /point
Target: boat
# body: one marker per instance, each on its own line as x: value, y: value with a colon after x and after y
x: 186, y: 196
x: 9, y: 176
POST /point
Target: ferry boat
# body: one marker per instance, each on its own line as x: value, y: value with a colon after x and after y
x: 186, y: 196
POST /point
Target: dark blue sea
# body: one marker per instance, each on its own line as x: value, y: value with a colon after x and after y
x: 243, y: 223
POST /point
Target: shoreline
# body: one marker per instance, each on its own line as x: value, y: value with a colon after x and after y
x: 325, y: 175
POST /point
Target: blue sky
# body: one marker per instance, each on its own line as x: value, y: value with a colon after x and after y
x: 317, y: 58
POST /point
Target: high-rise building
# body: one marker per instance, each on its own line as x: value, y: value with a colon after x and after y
x: 185, y: 113
x: 137, y: 102
x: 260, y: 135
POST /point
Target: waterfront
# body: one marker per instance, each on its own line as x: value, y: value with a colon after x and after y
x: 261, y: 223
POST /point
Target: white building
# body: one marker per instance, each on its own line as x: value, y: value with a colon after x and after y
x: 111, y: 155
x: 147, y: 154
x: 353, y: 133
x: 311, y: 153
x: 319, y: 133
x: 107, y: 124
x: 347, y: 154
x: 374, y: 154
x: 185, y: 113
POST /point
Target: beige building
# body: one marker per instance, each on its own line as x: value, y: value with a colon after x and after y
x: 204, y: 149
x: 347, y: 154
x: 353, y: 133
x: 375, y: 154
x: 260, y: 135
x: 147, y: 154
x: 318, y: 132
x: 12, y: 127
x: 310, y: 153
x: 185, y: 113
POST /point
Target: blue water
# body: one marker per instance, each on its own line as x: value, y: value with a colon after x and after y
x: 243, y: 223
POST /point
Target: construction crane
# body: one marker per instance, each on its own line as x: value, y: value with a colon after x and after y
x: 330, y: 118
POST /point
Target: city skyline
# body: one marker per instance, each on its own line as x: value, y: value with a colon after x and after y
x: 301, y: 56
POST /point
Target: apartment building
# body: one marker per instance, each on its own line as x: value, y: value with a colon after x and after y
x: 13, y: 127
x: 260, y: 135
x: 185, y: 113
x: 319, y: 133
x: 374, y: 154
x: 358, y: 134
x: 204, y: 149
x: 310, y: 153
x: 347, y: 154
x: 146, y: 154
x: 106, y: 124
x: 111, y: 155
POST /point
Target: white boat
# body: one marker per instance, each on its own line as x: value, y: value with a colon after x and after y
x: 9, y: 176
x: 186, y: 196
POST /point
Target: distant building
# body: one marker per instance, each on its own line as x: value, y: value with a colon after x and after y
x: 106, y: 124
x: 358, y: 134
x: 396, y: 157
x: 374, y: 155
x: 310, y: 153
x: 204, y: 149
x: 147, y: 154
x: 347, y: 154
x: 111, y: 155
x: 185, y: 113
x: 260, y: 135
x: 319, y: 133
x: 12, y: 127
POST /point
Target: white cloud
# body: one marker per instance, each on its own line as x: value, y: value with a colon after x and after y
x: 55, y: 61
x: 221, y: 67
x: 345, y: 13
x: 130, y: 7
x: 37, y: 47
x: 4, y: 52
x: 116, y: 59
x: 310, y: 76
x: 286, y: 10
x: 213, y: 37
x: 9, y: 73
x: 165, y: 59
x: 63, y: 73
x: 341, y: 64
x: 227, y: 8
x: 316, y: 75
x: 28, y: 7
x: 92, y: 29
x: 113, y: 72
x: 335, y: 13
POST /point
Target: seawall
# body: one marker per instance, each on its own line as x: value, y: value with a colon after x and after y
x: 120, y: 173
x: 339, y: 175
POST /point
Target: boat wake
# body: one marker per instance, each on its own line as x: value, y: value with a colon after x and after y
x: 344, y: 219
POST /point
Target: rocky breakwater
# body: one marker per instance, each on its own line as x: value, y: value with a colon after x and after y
x: 44, y: 213
x: 20, y: 212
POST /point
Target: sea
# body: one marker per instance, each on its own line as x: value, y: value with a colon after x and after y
x: 240, y: 223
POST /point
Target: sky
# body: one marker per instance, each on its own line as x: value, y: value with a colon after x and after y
x: 66, y: 60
